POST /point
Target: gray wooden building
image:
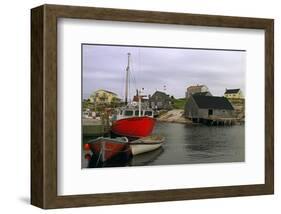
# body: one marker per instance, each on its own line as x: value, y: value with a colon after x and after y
x: 199, y: 108
x: 160, y: 100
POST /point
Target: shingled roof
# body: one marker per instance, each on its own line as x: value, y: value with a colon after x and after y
x: 202, y: 93
x: 210, y: 102
x: 232, y: 91
x: 157, y: 93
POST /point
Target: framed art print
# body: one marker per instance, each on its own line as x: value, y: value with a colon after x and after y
x: 139, y: 106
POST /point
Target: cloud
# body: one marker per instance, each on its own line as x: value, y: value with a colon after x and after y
x: 152, y: 68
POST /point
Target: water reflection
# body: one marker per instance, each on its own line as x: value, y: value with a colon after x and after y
x: 187, y: 145
x: 121, y: 159
x: 146, y: 158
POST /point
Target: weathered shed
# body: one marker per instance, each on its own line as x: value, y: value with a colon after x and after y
x: 208, y: 107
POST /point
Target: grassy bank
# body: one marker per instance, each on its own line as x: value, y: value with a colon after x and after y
x: 179, y: 103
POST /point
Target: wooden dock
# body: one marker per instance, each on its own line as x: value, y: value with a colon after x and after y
x: 92, y: 127
x: 215, y: 121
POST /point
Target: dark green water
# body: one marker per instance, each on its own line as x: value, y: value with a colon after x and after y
x: 186, y: 144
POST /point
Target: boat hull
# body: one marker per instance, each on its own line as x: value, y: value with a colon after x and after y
x: 146, y: 144
x: 133, y: 126
x: 106, y: 149
x: 143, y: 148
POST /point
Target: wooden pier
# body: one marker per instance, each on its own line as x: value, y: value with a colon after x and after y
x: 215, y: 121
x: 92, y: 127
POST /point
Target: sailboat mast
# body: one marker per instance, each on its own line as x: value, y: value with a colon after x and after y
x: 139, y: 96
x: 127, y: 79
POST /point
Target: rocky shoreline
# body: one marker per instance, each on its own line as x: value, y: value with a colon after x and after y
x: 174, y: 116
x: 177, y: 116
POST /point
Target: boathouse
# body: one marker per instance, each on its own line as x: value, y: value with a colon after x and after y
x: 209, y: 109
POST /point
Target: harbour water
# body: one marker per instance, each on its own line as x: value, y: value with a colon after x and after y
x: 190, y: 144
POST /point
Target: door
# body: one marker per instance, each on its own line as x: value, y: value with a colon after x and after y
x: 210, y: 112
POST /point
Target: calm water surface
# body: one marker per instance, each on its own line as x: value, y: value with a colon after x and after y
x: 190, y: 144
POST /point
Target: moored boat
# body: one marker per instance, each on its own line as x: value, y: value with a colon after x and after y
x: 133, y: 121
x: 146, y: 144
x: 133, y: 126
x: 107, y: 148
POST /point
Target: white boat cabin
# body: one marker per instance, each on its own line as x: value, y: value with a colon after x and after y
x: 125, y: 113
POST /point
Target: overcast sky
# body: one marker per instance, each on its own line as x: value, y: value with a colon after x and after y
x: 104, y: 67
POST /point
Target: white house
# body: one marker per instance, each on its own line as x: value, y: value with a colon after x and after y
x: 233, y: 93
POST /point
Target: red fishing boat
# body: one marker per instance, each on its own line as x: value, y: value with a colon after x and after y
x: 107, y: 148
x: 132, y: 120
x: 133, y: 126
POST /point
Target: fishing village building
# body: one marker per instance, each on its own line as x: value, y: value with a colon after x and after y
x: 209, y: 109
x: 233, y: 93
x: 193, y: 89
x: 160, y: 100
x: 103, y: 96
x: 236, y: 98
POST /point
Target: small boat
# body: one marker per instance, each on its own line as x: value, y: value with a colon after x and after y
x: 146, y: 144
x: 107, y: 148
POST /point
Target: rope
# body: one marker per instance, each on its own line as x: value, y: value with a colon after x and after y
x: 99, y: 158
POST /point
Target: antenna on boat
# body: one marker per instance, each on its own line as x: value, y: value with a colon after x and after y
x: 127, y: 79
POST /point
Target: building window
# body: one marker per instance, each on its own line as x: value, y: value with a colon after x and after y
x: 210, y: 112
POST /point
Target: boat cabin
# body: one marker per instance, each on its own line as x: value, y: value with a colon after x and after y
x: 125, y: 113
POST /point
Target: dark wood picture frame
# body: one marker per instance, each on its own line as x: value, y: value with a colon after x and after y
x: 44, y: 106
